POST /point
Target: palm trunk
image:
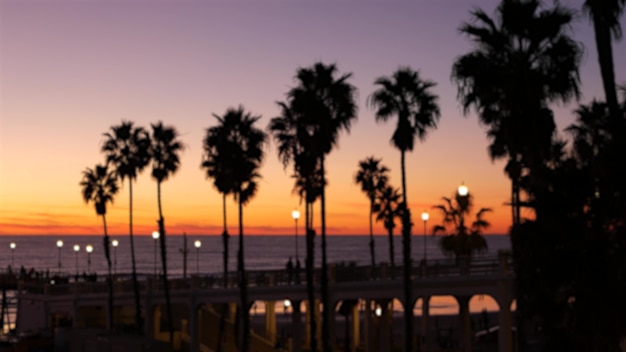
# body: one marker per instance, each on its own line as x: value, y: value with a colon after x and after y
x: 243, y: 286
x: 166, y: 287
x: 372, y: 254
x: 310, y: 246
x: 222, y: 326
x: 138, y: 318
x: 326, y: 313
x: 225, y: 241
x: 406, y: 256
x: 391, y: 253
x: 605, y: 59
x: 107, y: 254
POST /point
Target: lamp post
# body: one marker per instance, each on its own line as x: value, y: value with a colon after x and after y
x: 89, y: 249
x: 463, y: 191
x: 295, y: 214
x: 76, y: 250
x: 463, y: 200
x: 12, y: 245
x: 197, y: 244
x: 115, y: 243
x: 155, y: 236
x: 425, y: 217
x: 59, y: 246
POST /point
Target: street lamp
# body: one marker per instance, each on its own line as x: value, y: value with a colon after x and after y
x: 155, y: 235
x: 197, y: 244
x: 425, y: 217
x: 76, y: 250
x: 463, y: 191
x: 59, y: 245
x: 12, y: 245
x: 115, y: 243
x: 89, y: 249
x: 295, y: 214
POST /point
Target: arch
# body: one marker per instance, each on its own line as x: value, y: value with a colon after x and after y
x: 480, y: 302
x: 513, y: 305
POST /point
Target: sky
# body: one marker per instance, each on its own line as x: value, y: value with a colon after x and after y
x: 69, y: 70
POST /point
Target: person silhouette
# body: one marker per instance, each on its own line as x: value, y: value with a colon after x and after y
x: 298, y: 271
x: 289, y: 271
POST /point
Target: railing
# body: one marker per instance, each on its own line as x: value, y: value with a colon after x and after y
x: 338, y: 273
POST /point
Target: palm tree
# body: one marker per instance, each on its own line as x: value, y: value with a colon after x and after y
x: 215, y: 161
x: 408, y: 96
x: 295, y: 146
x: 389, y: 207
x: 605, y: 16
x: 522, y: 60
x: 242, y: 148
x: 372, y: 177
x: 126, y: 148
x: 164, y: 152
x: 99, y: 186
x: 326, y: 105
x: 461, y: 240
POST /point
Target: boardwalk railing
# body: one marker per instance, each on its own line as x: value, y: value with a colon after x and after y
x: 338, y: 273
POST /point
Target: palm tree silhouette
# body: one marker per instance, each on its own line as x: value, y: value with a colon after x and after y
x: 522, y: 60
x: 408, y: 96
x: 295, y: 146
x: 99, y: 186
x: 389, y: 207
x: 373, y: 178
x: 459, y: 239
x: 326, y: 106
x: 164, y: 153
x: 215, y: 161
x: 242, y: 148
x: 605, y: 16
x: 126, y: 148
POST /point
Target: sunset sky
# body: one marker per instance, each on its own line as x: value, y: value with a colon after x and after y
x: 71, y: 69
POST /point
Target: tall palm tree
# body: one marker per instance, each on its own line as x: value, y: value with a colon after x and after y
x: 215, y: 161
x: 326, y: 105
x: 389, y: 208
x: 522, y: 60
x: 461, y: 240
x: 295, y: 146
x: 605, y: 16
x: 372, y: 176
x: 406, y: 95
x: 126, y: 149
x: 164, y: 152
x: 99, y: 186
x: 244, y: 144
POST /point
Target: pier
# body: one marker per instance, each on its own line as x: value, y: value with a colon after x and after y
x: 361, y: 298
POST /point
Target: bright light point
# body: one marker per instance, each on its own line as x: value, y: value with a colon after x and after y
x: 197, y: 243
x: 89, y: 248
x: 76, y: 248
x: 425, y: 216
x: 155, y: 235
x: 463, y: 190
x: 287, y: 303
x: 295, y: 214
x: 59, y: 243
x: 115, y: 243
x: 12, y: 245
x: 378, y: 311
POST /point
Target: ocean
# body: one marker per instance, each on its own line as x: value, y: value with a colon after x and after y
x: 41, y: 253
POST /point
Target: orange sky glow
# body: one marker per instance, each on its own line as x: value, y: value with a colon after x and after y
x: 69, y: 71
